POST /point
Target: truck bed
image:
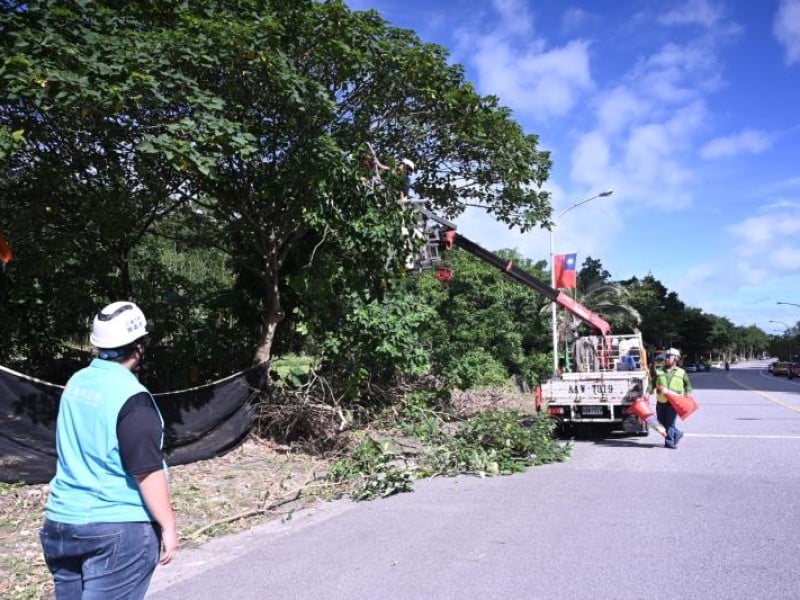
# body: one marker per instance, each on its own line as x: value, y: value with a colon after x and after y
x: 596, y: 397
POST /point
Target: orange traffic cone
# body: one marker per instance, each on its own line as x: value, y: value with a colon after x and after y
x: 683, y: 405
x: 641, y: 408
x: 5, y: 251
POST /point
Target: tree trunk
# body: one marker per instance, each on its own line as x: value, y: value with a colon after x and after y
x: 273, y: 317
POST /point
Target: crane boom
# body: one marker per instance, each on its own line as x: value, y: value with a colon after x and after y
x: 450, y: 237
x: 514, y: 272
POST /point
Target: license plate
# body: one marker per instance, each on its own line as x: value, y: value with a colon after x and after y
x: 592, y: 411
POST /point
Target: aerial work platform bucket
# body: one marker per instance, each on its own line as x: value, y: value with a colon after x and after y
x: 641, y: 408
x: 683, y: 405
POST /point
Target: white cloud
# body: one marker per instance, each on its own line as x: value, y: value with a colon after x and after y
x: 515, y: 16
x: 786, y: 257
x: 619, y: 107
x: 694, y: 12
x: 786, y: 28
x: 766, y: 245
x: 590, y: 230
x: 511, y: 62
x: 749, y: 141
x: 575, y: 18
x: 651, y: 158
x: 790, y: 183
x: 646, y: 151
x: 539, y: 83
x: 678, y: 73
x: 761, y: 264
x: 758, y: 235
x: 590, y: 159
x: 685, y: 121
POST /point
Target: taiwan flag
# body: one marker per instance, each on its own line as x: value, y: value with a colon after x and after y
x: 566, y: 276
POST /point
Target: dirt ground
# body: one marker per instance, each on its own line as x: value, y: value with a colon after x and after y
x: 253, y: 483
x: 256, y: 482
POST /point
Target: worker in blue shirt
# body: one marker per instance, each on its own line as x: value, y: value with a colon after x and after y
x: 109, y: 519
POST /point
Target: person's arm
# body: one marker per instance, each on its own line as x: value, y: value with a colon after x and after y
x: 651, y: 386
x: 139, y: 433
x: 687, y: 384
x: 155, y: 491
x: 379, y: 166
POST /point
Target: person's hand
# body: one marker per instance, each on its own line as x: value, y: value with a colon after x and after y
x: 169, y: 545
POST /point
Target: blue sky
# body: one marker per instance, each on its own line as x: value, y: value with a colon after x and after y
x: 689, y: 110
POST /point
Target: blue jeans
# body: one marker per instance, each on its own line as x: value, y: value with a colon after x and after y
x: 100, y: 560
x: 667, y: 416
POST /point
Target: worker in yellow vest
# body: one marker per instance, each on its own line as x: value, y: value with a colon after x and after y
x: 675, y: 379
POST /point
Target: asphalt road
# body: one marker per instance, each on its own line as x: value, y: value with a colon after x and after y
x: 624, y: 518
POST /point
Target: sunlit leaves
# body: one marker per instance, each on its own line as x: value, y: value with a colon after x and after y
x: 238, y: 129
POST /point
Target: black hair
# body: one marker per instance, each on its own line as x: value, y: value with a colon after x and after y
x: 123, y: 353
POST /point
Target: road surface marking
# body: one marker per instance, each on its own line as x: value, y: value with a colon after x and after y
x: 744, y: 436
x: 765, y: 395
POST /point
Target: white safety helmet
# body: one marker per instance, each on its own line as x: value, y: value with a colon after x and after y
x: 673, y: 352
x: 117, y: 325
x: 409, y: 163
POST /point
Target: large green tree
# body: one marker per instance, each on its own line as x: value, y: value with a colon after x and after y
x: 591, y: 275
x: 135, y: 135
x: 660, y: 310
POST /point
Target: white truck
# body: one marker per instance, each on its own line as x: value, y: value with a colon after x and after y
x: 605, y: 373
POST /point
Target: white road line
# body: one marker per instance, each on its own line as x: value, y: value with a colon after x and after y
x: 745, y: 436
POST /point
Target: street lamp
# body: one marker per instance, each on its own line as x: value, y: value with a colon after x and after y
x: 790, y: 339
x: 786, y: 333
x: 790, y: 304
x: 553, y: 317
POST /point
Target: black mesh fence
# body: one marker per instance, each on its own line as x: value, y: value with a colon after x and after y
x: 200, y: 422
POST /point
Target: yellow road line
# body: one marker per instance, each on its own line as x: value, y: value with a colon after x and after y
x: 765, y: 395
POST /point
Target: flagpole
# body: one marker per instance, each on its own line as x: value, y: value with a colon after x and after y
x: 553, y: 317
x: 553, y: 308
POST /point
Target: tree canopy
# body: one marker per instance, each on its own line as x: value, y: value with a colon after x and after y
x: 205, y: 159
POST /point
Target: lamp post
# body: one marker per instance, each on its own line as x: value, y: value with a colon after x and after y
x: 672, y: 335
x: 786, y: 333
x: 790, y: 339
x: 553, y: 315
x: 790, y: 304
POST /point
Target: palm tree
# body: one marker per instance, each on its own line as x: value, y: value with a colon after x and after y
x: 609, y: 300
x: 612, y: 302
